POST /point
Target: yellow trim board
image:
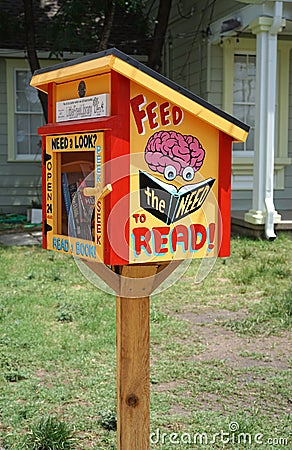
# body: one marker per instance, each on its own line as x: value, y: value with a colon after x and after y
x: 78, y: 70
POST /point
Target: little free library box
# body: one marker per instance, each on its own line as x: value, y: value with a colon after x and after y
x: 136, y: 169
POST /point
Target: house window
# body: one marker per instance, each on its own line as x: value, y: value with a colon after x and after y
x: 244, y: 82
x: 239, y: 72
x: 28, y: 117
x: 24, y: 113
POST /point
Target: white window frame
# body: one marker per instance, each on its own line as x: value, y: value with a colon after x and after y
x: 242, y: 165
x: 243, y: 153
x: 12, y: 66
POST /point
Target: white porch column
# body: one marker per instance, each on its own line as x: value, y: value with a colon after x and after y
x: 263, y: 210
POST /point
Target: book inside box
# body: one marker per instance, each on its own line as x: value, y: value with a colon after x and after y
x: 77, y: 172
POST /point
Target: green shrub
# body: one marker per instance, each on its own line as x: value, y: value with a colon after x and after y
x: 108, y: 420
x: 50, y: 434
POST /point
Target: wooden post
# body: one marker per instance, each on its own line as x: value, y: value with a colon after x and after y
x: 133, y: 358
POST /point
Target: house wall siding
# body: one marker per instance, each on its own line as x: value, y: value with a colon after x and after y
x: 188, y: 63
x: 3, y: 113
x: 20, y: 182
x: 215, y: 85
x: 190, y: 56
x: 188, y: 36
x: 242, y: 199
x: 283, y: 198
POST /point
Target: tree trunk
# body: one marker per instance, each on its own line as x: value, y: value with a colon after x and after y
x: 109, y: 17
x: 155, y: 53
x: 31, y: 50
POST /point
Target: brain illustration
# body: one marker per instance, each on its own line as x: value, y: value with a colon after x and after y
x: 173, y: 154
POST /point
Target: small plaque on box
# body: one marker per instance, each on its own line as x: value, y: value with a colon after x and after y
x: 83, y: 108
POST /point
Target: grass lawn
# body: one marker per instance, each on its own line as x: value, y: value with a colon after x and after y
x: 220, y: 353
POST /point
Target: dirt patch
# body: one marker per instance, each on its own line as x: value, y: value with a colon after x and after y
x: 178, y: 410
x: 246, y: 365
x: 170, y: 386
x: 210, y: 316
x: 241, y: 401
x: 45, y: 378
x: 238, y: 351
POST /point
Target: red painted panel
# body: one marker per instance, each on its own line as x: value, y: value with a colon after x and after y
x: 79, y: 126
x: 51, y: 102
x: 224, y: 192
x: 117, y: 150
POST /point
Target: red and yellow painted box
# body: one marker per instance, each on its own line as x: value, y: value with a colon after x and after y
x: 136, y: 169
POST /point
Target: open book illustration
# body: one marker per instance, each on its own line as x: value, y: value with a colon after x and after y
x: 168, y: 203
